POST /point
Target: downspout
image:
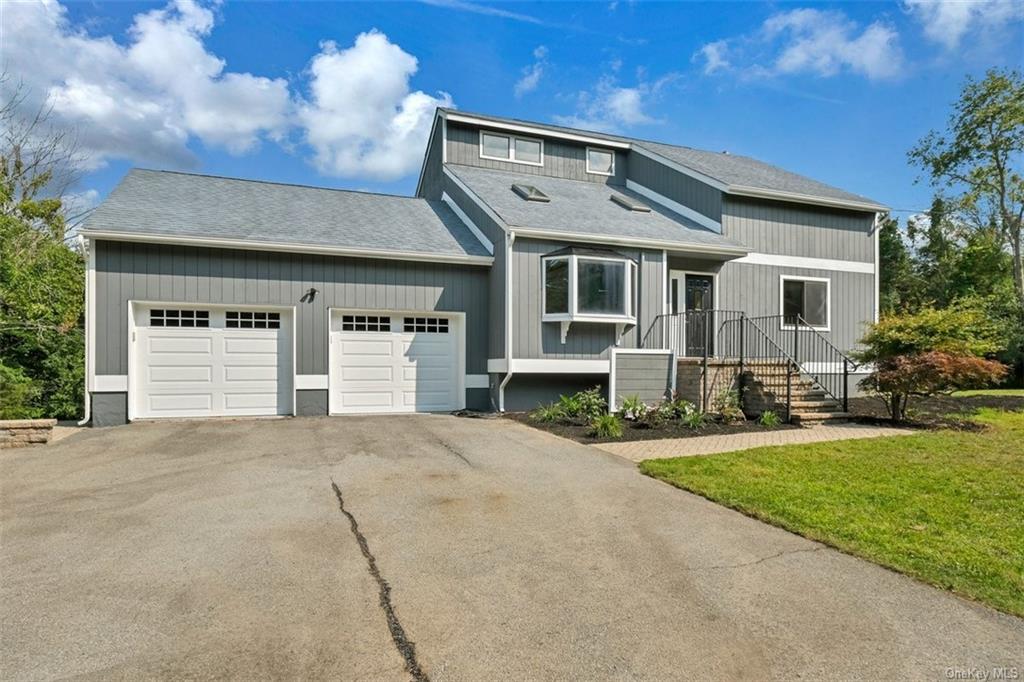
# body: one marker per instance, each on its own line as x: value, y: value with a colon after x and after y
x: 90, y: 288
x: 510, y: 239
x: 878, y: 274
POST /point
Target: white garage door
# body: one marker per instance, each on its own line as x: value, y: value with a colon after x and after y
x: 394, y: 363
x: 212, y: 362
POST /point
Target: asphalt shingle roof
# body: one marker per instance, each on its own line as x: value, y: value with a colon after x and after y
x: 187, y: 205
x: 582, y: 207
x: 730, y: 169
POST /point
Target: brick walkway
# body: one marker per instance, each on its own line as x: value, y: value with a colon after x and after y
x: 705, y: 445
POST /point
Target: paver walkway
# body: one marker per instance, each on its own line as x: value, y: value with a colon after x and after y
x: 640, y: 450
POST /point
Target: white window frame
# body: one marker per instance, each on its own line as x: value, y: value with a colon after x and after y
x: 828, y: 301
x: 601, y: 149
x: 573, y: 314
x: 511, y: 148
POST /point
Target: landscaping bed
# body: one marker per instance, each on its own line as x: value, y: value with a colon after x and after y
x: 632, y: 431
x: 941, y: 412
x: 943, y: 506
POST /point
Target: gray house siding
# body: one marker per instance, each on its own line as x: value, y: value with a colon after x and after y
x: 534, y: 339
x: 645, y: 375
x: 561, y: 159
x: 676, y: 186
x: 149, y: 272
x: 527, y: 391
x: 432, y: 181
x: 799, y: 230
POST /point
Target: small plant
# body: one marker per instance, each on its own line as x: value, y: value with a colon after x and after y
x: 606, y: 426
x: 654, y: 417
x: 591, y: 404
x: 548, y: 414
x: 633, y: 409
x: 693, y: 420
x: 769, y: 419
x: 727, y: 406
x: 569, y: 406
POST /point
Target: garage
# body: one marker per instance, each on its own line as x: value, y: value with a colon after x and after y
x: 211, y: 361
x: 384, y: 362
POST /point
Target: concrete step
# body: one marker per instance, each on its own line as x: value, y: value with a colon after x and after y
x: 815, y: 405
x: 811, y: 418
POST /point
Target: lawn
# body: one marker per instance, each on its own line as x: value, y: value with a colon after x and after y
x: 1011, y: 392
x: 945, y: 506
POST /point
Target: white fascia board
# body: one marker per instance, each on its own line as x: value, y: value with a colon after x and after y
x: 558, y: 366
x: 778, y: 195
x: 311, y: 382
x: 685, y: 170
x: 675, y: 206
x: 469, y: 223
x: 484, y: 206
x: 534, y: 130
x: 861, y: 267
x: 629, y: 241
x: 110, y: 383
x: 288, y: 247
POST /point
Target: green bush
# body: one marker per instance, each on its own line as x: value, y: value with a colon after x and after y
x: 548, y: 414
x: 694, y: 419
x: 727, y: 406
x: 606, y: 426
x: 19, y: 394
x: 591, y: 404
x: 633, y: 408
x: 962, y: 329
x: 769, y: 419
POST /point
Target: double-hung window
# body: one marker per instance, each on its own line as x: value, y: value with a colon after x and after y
x: 512, y: 148
x: 806, y: 298
x: 588, y: 288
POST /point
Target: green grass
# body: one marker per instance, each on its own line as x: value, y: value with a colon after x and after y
x: 997, y: 392
x: 946, y: 507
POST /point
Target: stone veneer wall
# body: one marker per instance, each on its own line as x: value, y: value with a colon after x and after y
x: 723, y: 375
x: 17, y: 433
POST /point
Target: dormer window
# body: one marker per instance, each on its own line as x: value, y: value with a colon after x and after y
x: 600, y: 161
x: 588, y: 285
x: 512, y: 148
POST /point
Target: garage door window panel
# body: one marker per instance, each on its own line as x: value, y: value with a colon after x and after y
x: 250, y: 319
x: 179, y: 318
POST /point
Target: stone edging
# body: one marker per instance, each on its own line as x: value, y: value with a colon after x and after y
x: 17, y: 433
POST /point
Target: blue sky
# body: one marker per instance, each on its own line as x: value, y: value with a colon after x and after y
x: 340, y: 95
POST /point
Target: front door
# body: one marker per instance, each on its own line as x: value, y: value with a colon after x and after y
x: 693, y: 295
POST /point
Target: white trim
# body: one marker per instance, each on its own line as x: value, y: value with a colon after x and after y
x: 613, y: 362
x: 698, y: 249
x: 483, y: 205
x: 458, y: 318
x: 685, y: 170
x: 532, y: 130
x: 876, y: 228
x: 469, y: 223
x: 675, y: 206
x: 828, y: 301
x: 90, y: 327
x: 831, y: 264
x: 292, y: 248
x: 510, y: 240
x: 512, y: 139
x: 798, y: 198
x: 572, y: 314
x: 559, y: 366
x: 444, y: 139
x: 673, y: 274
x: 496, y: 365
x: 110, y: 383
x: 598, y: 149
x: 478, y: 381
x: 311, y: 382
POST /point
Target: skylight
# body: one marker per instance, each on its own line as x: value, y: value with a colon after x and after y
x: 630, y: 203
x: 530, y: 193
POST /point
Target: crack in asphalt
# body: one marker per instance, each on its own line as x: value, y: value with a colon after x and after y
x: 452, y: 449
x: 406, y: 648
x: 756, y: 561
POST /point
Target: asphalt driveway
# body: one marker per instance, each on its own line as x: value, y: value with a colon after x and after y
x: 361, y: 548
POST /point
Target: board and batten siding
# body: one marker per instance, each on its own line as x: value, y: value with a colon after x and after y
x: 432, y: 181
x: 645, y: 375
x: 534, y: 339
x: 799, y: 230
x: 676, y: 186
x: 562, y: 159
x: 128, y: 271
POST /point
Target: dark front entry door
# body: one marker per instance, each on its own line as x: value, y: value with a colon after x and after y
x: 699, y: 298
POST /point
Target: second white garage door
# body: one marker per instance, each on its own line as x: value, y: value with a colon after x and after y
x: 394, y: 363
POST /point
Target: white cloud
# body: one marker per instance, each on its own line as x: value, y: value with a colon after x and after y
x: 532, y: 74
x: 361, y: 118
x: 143, y: 100
x: 609, y: 106
x: 947, y: 21
x: 818, y: 42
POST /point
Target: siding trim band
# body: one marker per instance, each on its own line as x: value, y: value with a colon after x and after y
x: 830, y: 264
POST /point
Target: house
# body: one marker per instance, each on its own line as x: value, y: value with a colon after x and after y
x: 534, y: 260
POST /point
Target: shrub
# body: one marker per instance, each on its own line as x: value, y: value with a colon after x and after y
x: 569, y: 406
x: 898, y: 378
x: 606, y: 426
x: 727, y: 406
x: 958, y: 330
x: 591, y: 404
x: 18, y: 394
x: 633, y: 408
x: 679, y: 407
x: 548, y: 414
x: 769, y: 419
x: 693, y: 420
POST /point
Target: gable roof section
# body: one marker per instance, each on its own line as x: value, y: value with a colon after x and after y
x: 733, y: 174
x: 585, y: 209
x: 189, y: 208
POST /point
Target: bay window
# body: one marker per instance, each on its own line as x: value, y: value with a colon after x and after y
x: 582, y: 286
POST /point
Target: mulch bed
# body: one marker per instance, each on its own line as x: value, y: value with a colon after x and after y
x: 581, y: 434
x: 937, y: 412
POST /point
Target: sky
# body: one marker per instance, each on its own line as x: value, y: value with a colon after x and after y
x: 343, y: 94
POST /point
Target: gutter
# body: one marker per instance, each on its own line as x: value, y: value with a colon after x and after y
x: 510, y: 239
x: 657, y: 244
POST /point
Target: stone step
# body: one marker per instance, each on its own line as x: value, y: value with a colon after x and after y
x: 811, y: 418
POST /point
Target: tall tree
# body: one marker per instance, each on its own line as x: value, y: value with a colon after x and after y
x: 977, y: 160
x: 897, y: 286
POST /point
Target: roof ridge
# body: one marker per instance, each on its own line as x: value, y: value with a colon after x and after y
x: 279, y: 183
